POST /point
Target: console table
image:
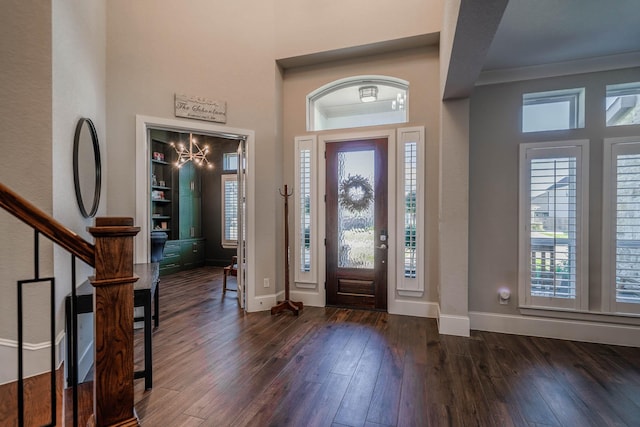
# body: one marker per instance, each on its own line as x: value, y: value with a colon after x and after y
x: 145, y: 289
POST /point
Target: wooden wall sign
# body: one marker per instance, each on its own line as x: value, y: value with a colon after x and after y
x: 195, y: 107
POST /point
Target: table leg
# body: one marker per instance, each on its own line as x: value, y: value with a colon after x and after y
x: 148, y: 368
x: 156, y: 304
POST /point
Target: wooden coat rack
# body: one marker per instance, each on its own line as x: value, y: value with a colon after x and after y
x: 287, y: 304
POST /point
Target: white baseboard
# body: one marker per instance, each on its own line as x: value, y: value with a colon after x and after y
x: 37, y: 358
x: 573, y: 330
x: 413, y: 308
x: 308, y: 298
x: 262, y: 302
x: 454, y: 325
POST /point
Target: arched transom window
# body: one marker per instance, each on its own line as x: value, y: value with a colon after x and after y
x: 358, y: 101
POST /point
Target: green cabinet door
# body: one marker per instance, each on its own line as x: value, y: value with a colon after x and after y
x: 190, y: 202
x: 192, y: 253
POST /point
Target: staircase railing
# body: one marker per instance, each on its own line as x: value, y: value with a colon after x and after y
x: 112, y: 259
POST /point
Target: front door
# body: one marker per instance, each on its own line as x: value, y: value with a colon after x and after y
x: 356, y: 229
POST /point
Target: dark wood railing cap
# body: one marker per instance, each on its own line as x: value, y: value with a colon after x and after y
x: 45, y: 224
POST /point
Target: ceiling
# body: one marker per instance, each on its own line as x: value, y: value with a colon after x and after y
x: 550, y: 31
x: 507, y: 40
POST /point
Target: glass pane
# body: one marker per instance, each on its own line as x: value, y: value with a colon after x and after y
x: 410, y: 208
x: 553, y: 227
x: 305, y: 210
x: 230, y: 161
x: 623, y: 104
x: 549, y: 116
x: 231, y: 209
x: 356, y: 201
x: 553, y: 110
x: 358, y: 102
x: 628, y: 229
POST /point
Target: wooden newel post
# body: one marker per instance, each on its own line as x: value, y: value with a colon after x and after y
x: 113, y: 324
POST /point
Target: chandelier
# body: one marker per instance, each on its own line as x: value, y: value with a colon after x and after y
x: 194, y: 153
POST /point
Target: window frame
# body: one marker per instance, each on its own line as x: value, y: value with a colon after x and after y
x: 534, y: 150
x: 224, y: 178
x: 621, y: 91
x: 354, y: 82
x: 410, y: 286
x: 575, y: 96
x: 613, y: 147
x: 306, y: 279
x: 226, y: 159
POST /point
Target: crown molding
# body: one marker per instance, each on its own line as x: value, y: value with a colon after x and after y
x: 589, y: 65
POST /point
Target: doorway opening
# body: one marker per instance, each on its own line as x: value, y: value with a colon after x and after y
x: 196, y: 205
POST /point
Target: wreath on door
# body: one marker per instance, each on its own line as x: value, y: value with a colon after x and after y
x: 355, y: 193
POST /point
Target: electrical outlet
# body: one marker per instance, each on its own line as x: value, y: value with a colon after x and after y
x: 266, y: 282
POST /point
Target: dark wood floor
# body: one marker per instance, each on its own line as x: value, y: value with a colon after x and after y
x: 215, y: 366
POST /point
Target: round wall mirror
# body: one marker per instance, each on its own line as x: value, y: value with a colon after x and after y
x: 87, y: 175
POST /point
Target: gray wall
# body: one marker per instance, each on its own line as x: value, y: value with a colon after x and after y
x: 495, y: 123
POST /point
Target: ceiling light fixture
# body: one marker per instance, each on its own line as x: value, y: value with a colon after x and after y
x: 195, y: 154
x: 368, y: 93
x: 398, y: 104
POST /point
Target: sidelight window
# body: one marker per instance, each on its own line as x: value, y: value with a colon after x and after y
x: 305, y: 212
x: 410, y: 211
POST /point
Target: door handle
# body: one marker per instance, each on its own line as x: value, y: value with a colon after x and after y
x: 382, y: 246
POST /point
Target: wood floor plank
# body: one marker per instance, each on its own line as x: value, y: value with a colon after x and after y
x: 215, y: 365
x: 385, y: 402
x: 568, y: 409
x: 355, y: 404
x: 413, y: 395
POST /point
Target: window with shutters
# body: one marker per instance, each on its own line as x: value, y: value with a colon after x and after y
x: 410, y: 211
x: 621, y: 220
x: 553, y: 261
x: 305, y: 212
x: 229, y: 211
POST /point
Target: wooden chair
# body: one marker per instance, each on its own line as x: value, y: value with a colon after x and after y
x: 230, y: 270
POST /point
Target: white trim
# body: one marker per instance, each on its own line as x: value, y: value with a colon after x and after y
x: 412, y: 287
x: 304, y: 285
x: 574, y: 330
x: 264, y: 302
x: 589, y: 65
x: 309, y: 297
x: 391, y: 202
x: 454, y: 325
x: 414, y: 308
x: 141, y: 242
x: 36, y: 357
x: 308, y: 277
x: 579, y: 149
